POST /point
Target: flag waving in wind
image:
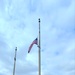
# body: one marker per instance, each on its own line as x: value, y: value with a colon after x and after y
x: 34, y: 42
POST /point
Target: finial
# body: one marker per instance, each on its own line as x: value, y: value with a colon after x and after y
x: 39, y: 19
x: 16, y: 48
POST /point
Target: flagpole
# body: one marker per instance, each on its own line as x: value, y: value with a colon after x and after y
x: 14, y: 61
x: 39, y: 51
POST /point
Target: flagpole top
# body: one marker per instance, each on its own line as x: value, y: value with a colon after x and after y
x: 15, y: 48
x: 39, y: 20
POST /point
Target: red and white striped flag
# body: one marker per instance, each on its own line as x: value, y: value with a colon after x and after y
x: 34, y: 42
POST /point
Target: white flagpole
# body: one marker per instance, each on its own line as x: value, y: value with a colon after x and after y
x: 14, y: 61
x: 39, y: 51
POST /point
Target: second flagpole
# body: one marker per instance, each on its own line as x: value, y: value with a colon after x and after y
x: 14, y: 61
x: 39, y: 51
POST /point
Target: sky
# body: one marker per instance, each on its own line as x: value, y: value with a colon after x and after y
x: 19, y: 27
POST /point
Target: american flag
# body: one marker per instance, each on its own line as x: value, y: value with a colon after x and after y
x: 34, y: 42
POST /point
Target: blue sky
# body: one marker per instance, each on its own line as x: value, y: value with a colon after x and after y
x: 19, y: 27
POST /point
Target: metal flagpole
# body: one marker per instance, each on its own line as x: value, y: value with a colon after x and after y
x: 15, y: 61
x: 39, y: 51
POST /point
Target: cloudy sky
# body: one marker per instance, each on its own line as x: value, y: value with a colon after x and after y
x: 19, y: 27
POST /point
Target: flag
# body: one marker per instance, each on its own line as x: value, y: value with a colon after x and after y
x: 34, y: 42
